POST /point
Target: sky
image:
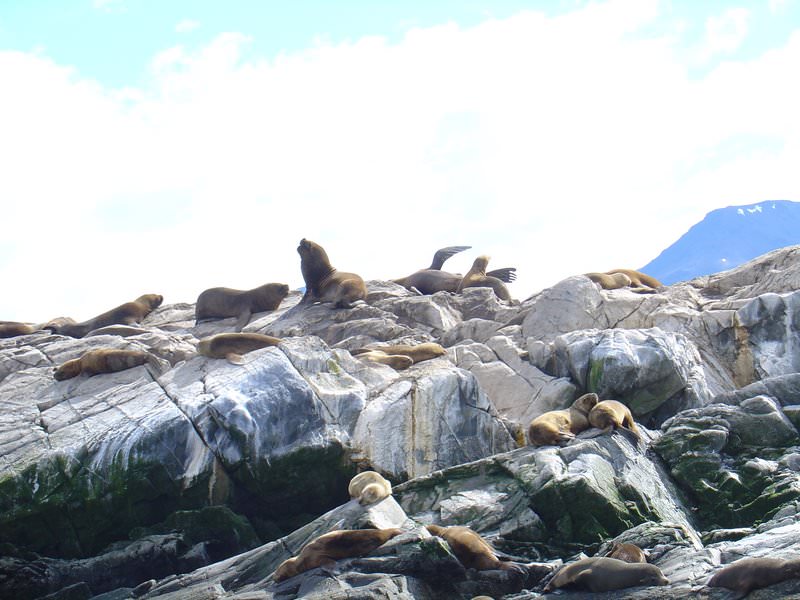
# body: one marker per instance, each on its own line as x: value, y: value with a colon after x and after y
x: 170, y: 147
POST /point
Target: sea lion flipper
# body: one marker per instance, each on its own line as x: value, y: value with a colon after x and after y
x: 235, y: 359
x: 243, y: 319
x: 442, y: 254
x: 506, y: 274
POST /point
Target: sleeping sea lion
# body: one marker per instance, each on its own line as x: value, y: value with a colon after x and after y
x: 233, y: 345
x: 640, y: 282
x: 600, y: 574
x: 221, y: 302
x: 477, y: 277
x: 433, y: 279
x: 418, y: 353
x: 369, y: 487
x: 103, y: 360
x: 397, y: 361
x: 13, y: 329
x: 323, y: 282
x: 558, y: 427
x: 627, y: 552
x: 749, y: 574
x: 471, y: 549
x: 326, y: 549
x: 608, y: 415
x: 610, y: 282
x: 125, y: 314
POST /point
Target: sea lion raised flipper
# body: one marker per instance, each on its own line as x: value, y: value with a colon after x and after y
x: 243, y: 319
x: 506, y: 274
x: 442, y: 254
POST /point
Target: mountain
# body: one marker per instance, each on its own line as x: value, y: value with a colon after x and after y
x: 726, y: 238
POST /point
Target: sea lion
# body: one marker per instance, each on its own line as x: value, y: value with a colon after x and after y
x: 417, y: 353
x: 221, y: 302
x: 326, y: 549
x: 369, y: 487
x: 323, y: 282
x: 608, y: 415
x: 749, y: 574
x: 10, y: 329
x: 103, y: 360
x: 610, y: 282
x: 433, y: 279
x: 601, y: 574
x: 471, y: 549
x: 125, y: 314
x: 233, y: 345
x: 557, y: 427
x: 627, y: 552
x: 477, y: 277
x: 640, y: 282
x: 396, y: 361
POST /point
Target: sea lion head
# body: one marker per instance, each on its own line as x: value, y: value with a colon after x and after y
x: 151, y: 300
x: 651, y: 575
x: 314, y: 263
x: 372, y: 493
x: 285, y: 570
x: 480, y: 264
x: 586, y: 402
x: 68, y: 370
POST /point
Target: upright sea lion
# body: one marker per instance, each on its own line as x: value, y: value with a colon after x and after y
x: 125, y: 314
x: 608, y: 415
x: 233, y: 345
x: 221, y: 302
x: 558, y: 427
x: 13, y: 329
x: 627, y: 552
x: 323, y: 282
x: 640, y: 282
x: 749, y: 574
x: 477, y: 277
x: 369, y: 487
x: 433, y: 279
x: 103, y: 360
x: 600, y: 574
x: 471, y: 549
x: 326, y: 549
x: 610, y: 282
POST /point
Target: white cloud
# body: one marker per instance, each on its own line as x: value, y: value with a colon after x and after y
x: 558, y: 145
x: 725, y: 33
x: 108, y: 5
x: 187, y: 25
x: 777, y: 6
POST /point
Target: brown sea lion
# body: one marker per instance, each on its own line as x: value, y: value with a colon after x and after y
x: 103, y: 360
x: 222, y: 302
x: 323, y: 282
x: 10, y: 329
x: 233, y: 345
x: 396, y: 361
x: 601, y: 574
x: 471, y: 549
x: 608, y: 415
x: 330, y: 547
x: 477, y: 277
x: 558, y: 427
x: 640, y: 282
x: 125, y: 314
x: 433, y: 279
x: 417, y: 353
x: 610, y: 282
x: 627, y: 552
x: 369, y: 487
x: 749, y: 574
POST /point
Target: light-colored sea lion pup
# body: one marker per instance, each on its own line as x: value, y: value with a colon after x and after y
x: 103, y: 360
x: 627, y: 552
x: 640, y: 282
x: 471, y: 549
x: 600, y: 574
x: 232, y: 345
x: 608, y: 415
x: 477, y: 277
x: 125, y: 314
x: 369, y: 487
x: 749, y: 574
x: 559, y: 427
x: 396, y: 361
x: 10, y: 329
x: 610, y: 282
x: 323, y: 282
x: 393, y: 355
x: 222, y: 302
x: 330, y: 547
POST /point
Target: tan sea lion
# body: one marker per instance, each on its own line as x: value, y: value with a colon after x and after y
x: 477, y: 277
x: 396, y: 361
x: 433, y: 279
x: 330, y: 547
x: 471, y: 549
x: 627, y: 552
x: 125, y: 314
x: 417, y: 353
x: 610, y: 282
x: 608, y: 415
x: 557, y: 427
x: 10, y: 329
x: 222, y: 302
x: 369, y: 487
x: 323, y: 282
x: 233, y: 345
x: 601, y: 574
x: 749, y: 574
x: 640, y: 282
x: 103, y: 360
